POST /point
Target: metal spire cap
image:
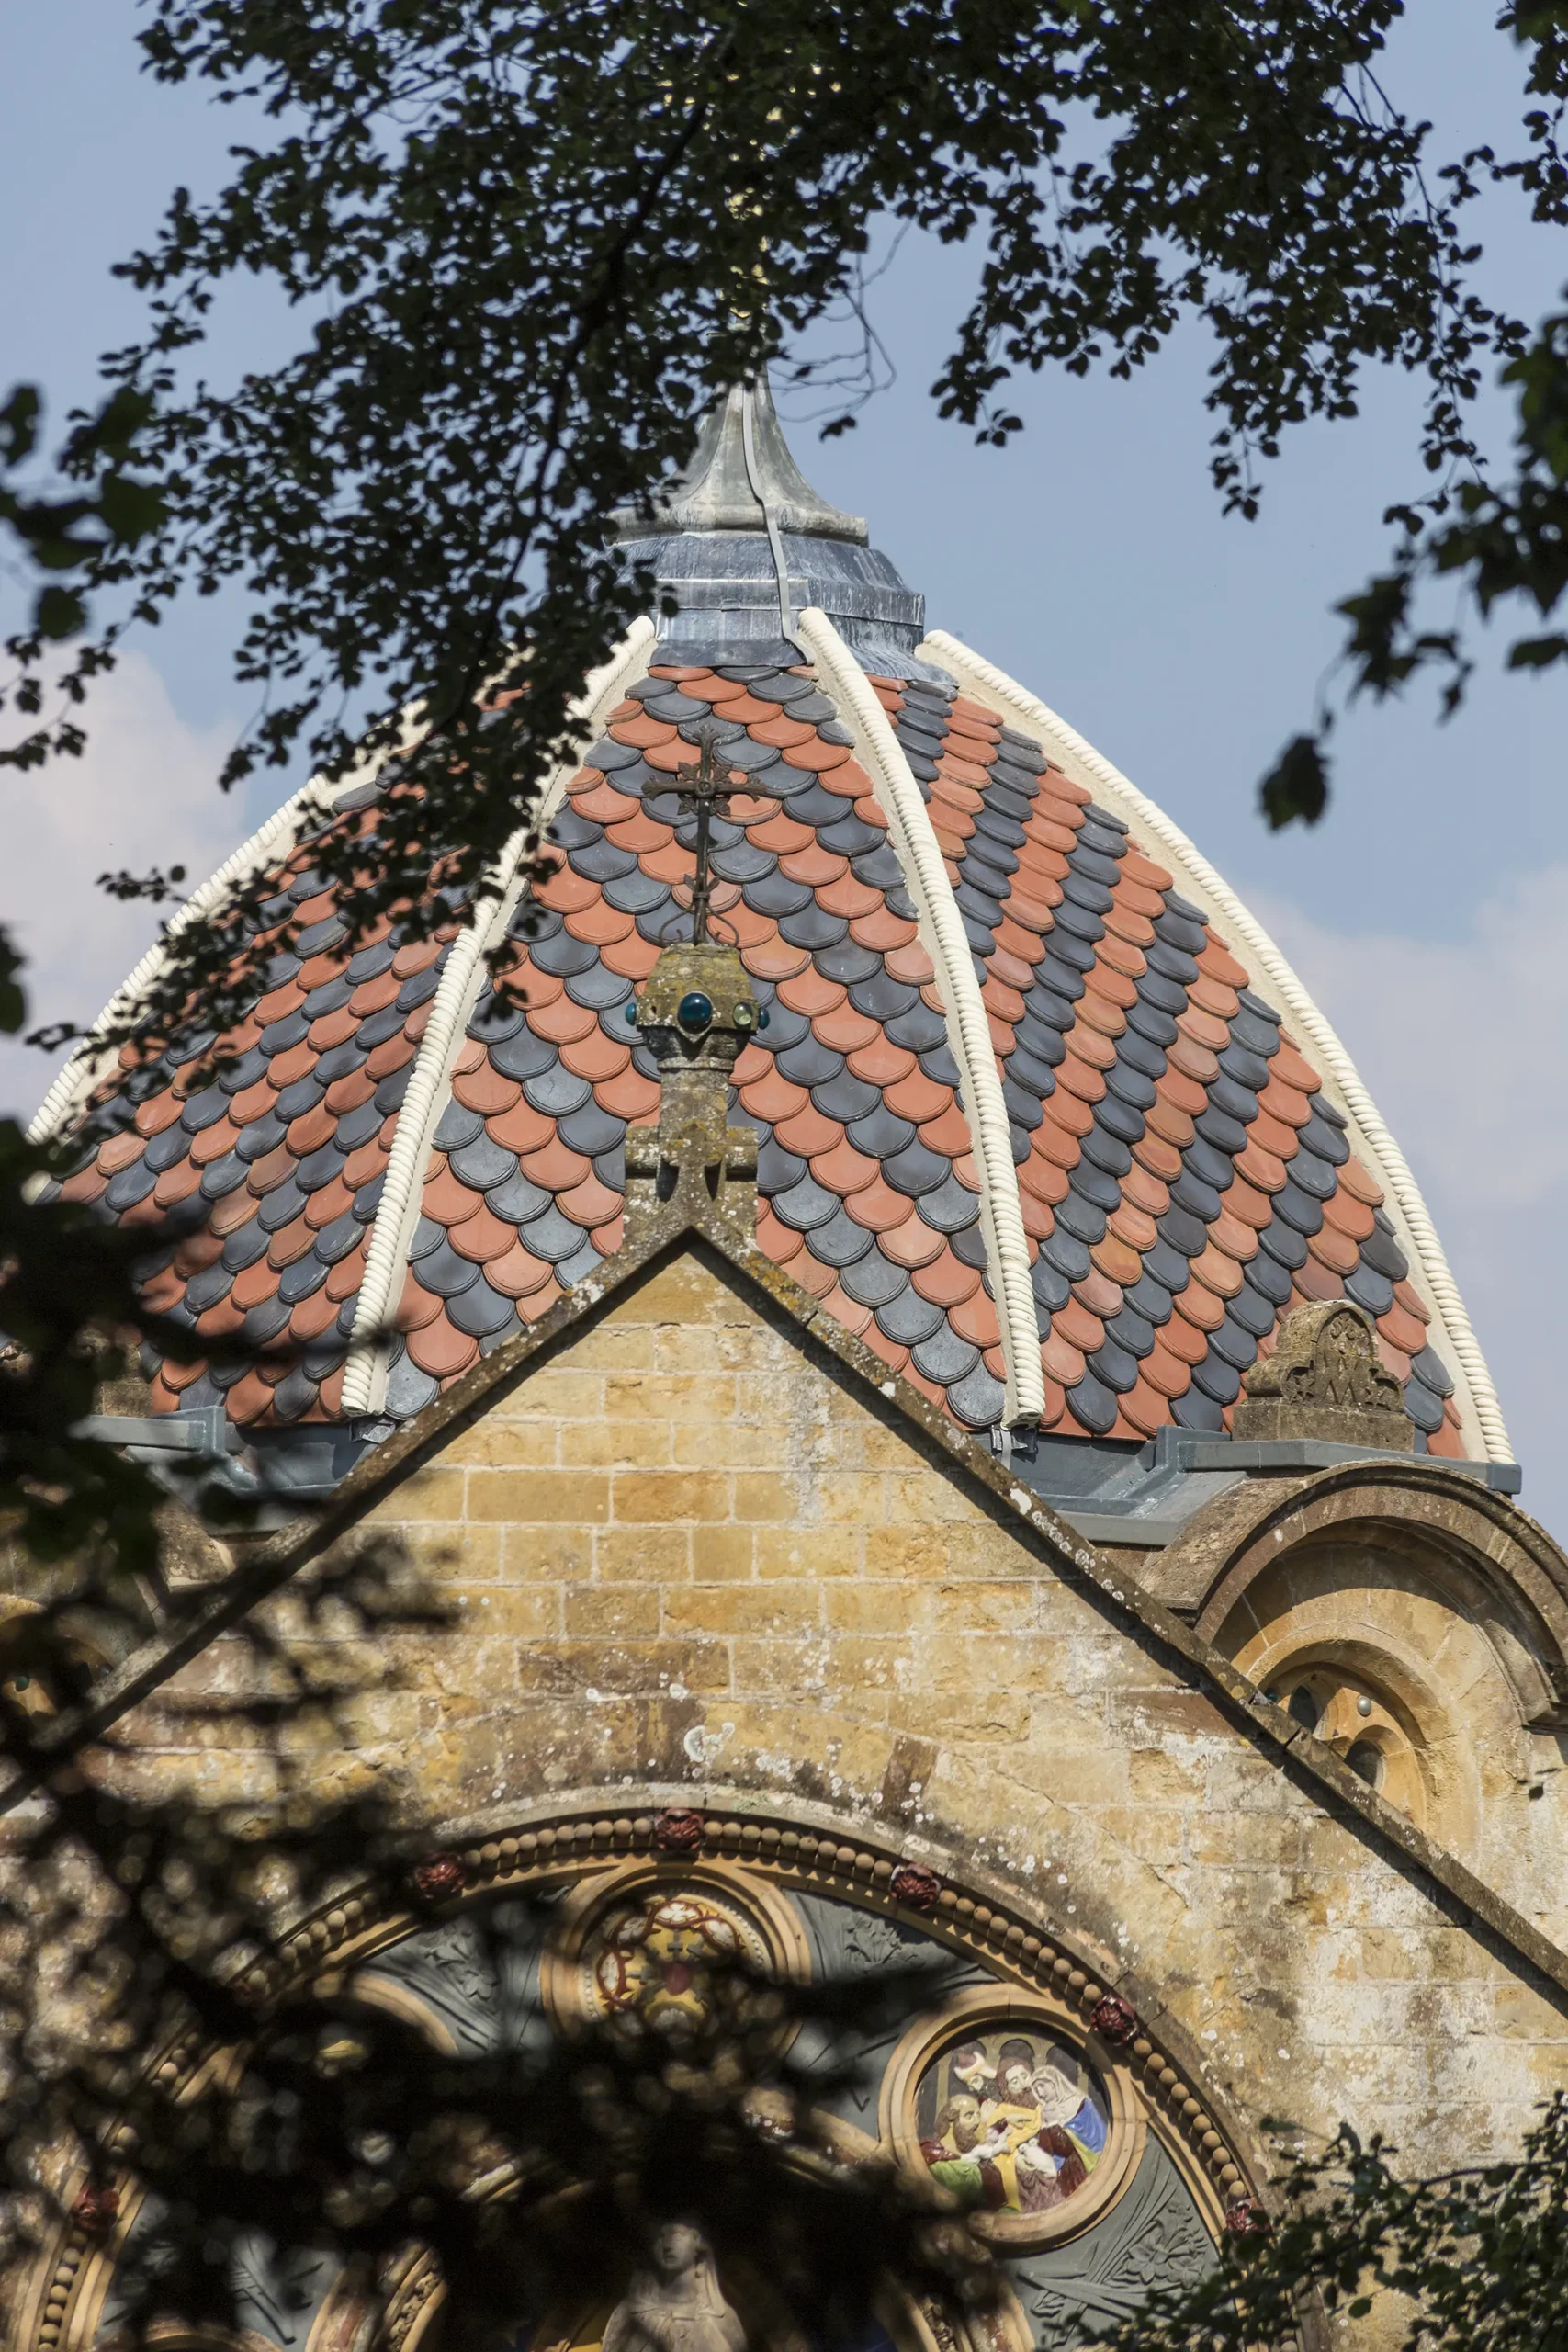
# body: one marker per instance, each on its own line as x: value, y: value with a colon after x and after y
x: 741, y: 543
x: 742, y: 471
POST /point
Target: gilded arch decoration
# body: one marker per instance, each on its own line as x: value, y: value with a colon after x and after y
x: 1123, y: 2180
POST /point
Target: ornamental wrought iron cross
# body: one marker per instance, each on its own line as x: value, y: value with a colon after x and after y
x: 703, y: 785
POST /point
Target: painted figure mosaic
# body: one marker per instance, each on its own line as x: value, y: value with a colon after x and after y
x: 1010, y: 2122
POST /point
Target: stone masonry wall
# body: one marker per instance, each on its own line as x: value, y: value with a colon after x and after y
x: 683, y: 1550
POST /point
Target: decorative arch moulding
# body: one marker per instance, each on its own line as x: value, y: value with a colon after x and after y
x: 744, y: 1865
x: 790, y: 1850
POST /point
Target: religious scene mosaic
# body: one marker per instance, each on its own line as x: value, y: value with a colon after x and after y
x: 1010, y: 2122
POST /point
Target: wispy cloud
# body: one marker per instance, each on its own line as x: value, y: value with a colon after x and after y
x: 1465, y: 1045
x: 144, y: 792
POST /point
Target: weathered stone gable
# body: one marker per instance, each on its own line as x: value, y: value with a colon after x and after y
x: 687, y: 1550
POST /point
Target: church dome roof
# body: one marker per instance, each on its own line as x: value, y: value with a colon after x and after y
x: 1178, y: 1149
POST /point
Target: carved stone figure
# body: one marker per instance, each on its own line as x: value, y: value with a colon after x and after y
x: 677, y: 2304
x: 1326, y: 1380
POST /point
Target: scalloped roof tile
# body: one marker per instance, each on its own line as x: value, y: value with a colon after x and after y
x: 1183, y: 1176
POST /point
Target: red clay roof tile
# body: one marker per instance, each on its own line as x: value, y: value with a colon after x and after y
x: 443, y: 1350
x: 910, y: 963
x: 1249, y: 1204
x: 1185, y: 1339
x: 1231, y: 1234
x: 1165, y: 1372
x: 362, y: 1166
x: 596, y: 1057
x: 1076, y: 1075
x: 777, y: 960
x: 517, y: 1273
x: 811, y: 1274
x: 1090, y: 1044
x: 1038, y: 1195
x: 631, y: 957
x: 629, y: 1096
x: 347, y: 1093
x: 563, y: 1023
x: 809, y: 1131
x: 1355, y: 1180
x: 892, y: 1354
x: 879, y: 1061
x: 485, y: 1090
x: 1200, y: 1307
x: 390, y: 1056
x: 1352, y: 1217
x: 1217, y: 1271
x: 1284, y: 1102
x: 1060, y: 1359
x: 947, y: 1132
x: 1317, y: 1282
x: 1108, y: 998
x: 1146, y: 1191
x: 344, y: 1279
x: 945, y: 1280
x: 974, y: 1318
x: 1070, y: 1111
x: 912, y: 1243
x: 1335, y: 1249
x: 482, y: 1236
x: 556, y: 1166
x: 1144, y: 1408
x: 845, y: 1030
x: 333, y: 1199
x: 1182, y: 1093
x: 638, y: 833
x: 447, y: 1199
x: 1403, y: 1329
x: 842, y: 1168
x: 1131, y: 1226
x: 591, y: 1203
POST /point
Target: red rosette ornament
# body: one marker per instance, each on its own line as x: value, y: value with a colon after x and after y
x: 438, y: 1878
x: 914, y: 1887
x: 1114, y: 2019
x: 678, y: 1831
x: 96, y: 2208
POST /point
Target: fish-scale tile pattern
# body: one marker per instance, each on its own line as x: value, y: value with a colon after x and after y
x: 1184, y: 1179
x: 262, y: 1181
x: 866, y: 1190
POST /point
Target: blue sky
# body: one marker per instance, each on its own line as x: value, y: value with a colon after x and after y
x: 1089, y: 559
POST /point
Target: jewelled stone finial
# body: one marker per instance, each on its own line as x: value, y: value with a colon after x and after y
x: 697, y: 1011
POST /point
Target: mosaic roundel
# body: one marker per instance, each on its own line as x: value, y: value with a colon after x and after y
x: 659, y: 1961
x: 1012, y: 2121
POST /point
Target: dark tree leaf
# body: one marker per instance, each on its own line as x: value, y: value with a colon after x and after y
x: 1296, y: 786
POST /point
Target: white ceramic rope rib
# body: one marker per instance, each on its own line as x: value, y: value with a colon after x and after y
x: 968, y: 1029
x: 429, y: 1084
x: 1003, y: 694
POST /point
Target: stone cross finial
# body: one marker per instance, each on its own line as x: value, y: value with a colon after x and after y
x: 697, y: 1011
x: 1326, y: 1380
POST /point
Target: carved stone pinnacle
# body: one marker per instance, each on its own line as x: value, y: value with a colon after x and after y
x: 1326, y: 1380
